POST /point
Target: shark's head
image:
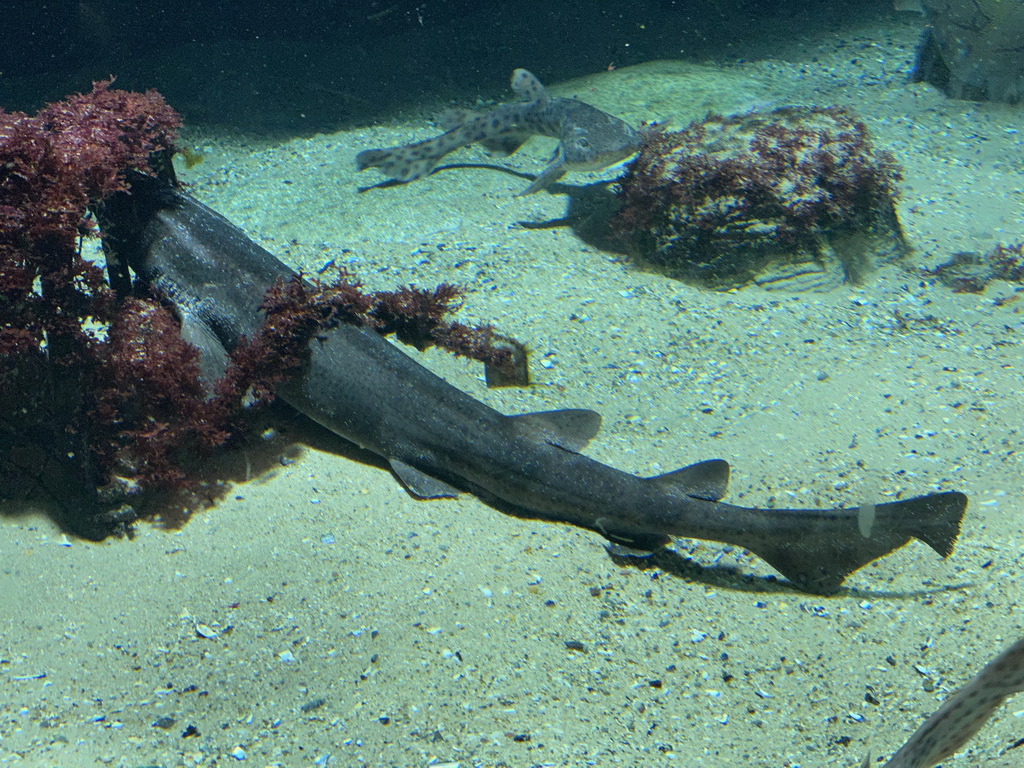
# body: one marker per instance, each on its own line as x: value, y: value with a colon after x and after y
x: 592, y: 139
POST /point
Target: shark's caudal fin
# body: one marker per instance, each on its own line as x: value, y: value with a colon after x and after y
x: 414, y: 161
x: 836, y: 543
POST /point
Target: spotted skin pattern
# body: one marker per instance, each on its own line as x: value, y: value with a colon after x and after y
x: 964, y: 713
x: 589, y: 139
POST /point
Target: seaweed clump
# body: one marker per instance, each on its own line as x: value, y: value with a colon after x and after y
x: 417, y: 316
x: 295, y: 310
x: 793, y: 198
x: 968, y: 272
x: 103, y: 405
x: 56, y: 308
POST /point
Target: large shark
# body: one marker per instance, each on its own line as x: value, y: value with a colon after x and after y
x: 439, y: 440
x: 589, y: 139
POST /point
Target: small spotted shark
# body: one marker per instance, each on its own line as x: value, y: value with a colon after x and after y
x: 964, y: 713
x: 589, y: 139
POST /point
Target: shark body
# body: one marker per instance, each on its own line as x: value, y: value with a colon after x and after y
x: 439, y: 440
x: 589, y: 139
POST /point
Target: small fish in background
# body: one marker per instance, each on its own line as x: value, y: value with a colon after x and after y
x: 964, y: 713
x: 589, y: 139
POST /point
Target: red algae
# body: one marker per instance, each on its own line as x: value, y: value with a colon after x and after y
x: 102, y: 403
x: 55, y: 306
x: 797, y: 197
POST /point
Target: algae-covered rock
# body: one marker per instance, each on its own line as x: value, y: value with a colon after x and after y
x: 793, y: 198
x: 972, y: 272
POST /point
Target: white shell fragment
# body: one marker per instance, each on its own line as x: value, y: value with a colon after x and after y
x: 205, y: 630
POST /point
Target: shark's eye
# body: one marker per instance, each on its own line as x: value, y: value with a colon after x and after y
x: 582, y: 142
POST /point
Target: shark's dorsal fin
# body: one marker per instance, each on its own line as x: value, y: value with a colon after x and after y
x: 526, y: 85
x: 453, y: 118
x: 708, y: 480
x: 420, y: 484
x: 571, y: 428
x: 505, y: 145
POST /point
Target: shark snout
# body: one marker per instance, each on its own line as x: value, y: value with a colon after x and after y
x: 601, y: 146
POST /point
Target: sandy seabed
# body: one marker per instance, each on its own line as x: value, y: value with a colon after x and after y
x: 318, y: 615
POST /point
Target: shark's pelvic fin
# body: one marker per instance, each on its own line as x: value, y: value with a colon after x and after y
x: 420, y: 484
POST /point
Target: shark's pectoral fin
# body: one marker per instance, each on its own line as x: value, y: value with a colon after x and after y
x: 213, y: 359
x: 422, y: 485
x: 551, y: 174
x: 571, y: 428
x: 707, y: 480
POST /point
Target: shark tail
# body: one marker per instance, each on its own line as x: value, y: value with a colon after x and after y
x: 402, y: 163
x: 839, y: 542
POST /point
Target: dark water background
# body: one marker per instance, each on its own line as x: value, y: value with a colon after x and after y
x: 302, y: 68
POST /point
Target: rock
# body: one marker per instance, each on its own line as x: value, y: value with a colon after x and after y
x: 794, y: 198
